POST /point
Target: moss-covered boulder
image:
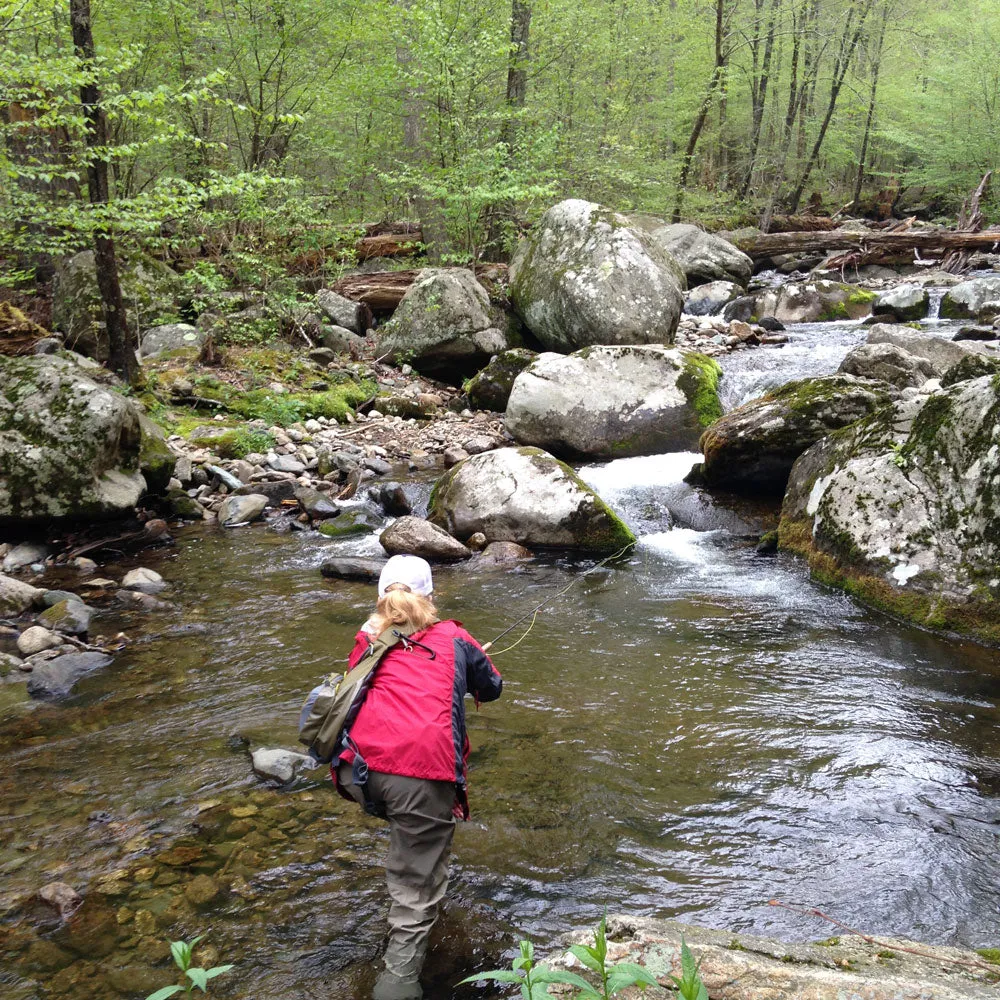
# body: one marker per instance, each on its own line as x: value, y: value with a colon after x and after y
x: 977, y: 298
x: 610, y: 402
x: 525, y: 495
x: 446, y: 326
x: 753, y: 448
x: 940, y: 352
x: 490, y: 388
x: 884, y: 362
x: 904, y: 303
x: 585, y: 276
x: 814, y: 302
x: 973, y: 366
x: 703, y: 256
x: 156, y: 458
x: 902, y: 509
x: 69, y: 446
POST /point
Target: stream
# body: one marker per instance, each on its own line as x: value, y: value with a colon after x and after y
x: 688, y: 733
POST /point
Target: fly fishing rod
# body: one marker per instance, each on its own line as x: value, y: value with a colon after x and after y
x: 533, y: 613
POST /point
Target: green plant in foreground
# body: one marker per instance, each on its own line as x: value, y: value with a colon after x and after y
x: 535, y: 980
x: 182, y: 951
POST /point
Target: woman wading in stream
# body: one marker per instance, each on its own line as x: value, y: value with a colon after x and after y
x: 410, y: 732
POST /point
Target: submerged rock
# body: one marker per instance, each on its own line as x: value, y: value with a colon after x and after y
x: 57, y: 678
x: 367, y: 570
x: 814, y: 301
x: 611, y: 402
x: 415, y: 536
x: 147, y: 581
x: 585, y: 276
x: 525, y: 495
x: 902, y: 508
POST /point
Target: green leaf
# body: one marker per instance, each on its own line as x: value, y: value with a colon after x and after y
x: 497, y: 976
x: 167, y: 991
x: 619, y: 979
x: 587, y: 956
x: 199, y: 978
x: 601, y: 935
x: 217, y: 971
x: 558, y: 976
x: 181, y: 952
x: 640, y: 974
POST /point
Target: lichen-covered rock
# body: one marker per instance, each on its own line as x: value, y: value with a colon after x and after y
x: 711, y: 299
x: 156, y: 458
x: 704, y: 256
x: 611, y: 402
x: 904, y: 303
x: 342, y: 312
x: 160, y: 340
x: 490, y: 388
x: 69, y: 447
x: 445, y: 326
x: 585, y: 276
x: 753, y: 448
x: 525, y: 495
x: 977, y: 298
x: 814, y: 302
x: 884, y: 362
x: 17, y: 596
x: 973, y: 366
x: 939, y: 352
x: 414, y: 536
x: 903, y: 508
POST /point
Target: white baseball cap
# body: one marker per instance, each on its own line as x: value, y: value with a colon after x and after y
x: 411, y: 570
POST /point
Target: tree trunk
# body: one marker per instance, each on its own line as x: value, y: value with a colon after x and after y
x: 862, y: 159
x: 121, y: 354
x: 759, y: 98
x: 772, y: 244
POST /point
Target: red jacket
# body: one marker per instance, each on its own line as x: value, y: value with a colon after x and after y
x: 412, y: 722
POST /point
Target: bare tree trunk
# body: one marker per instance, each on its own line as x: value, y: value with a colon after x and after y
x: 862, y: 159
x: 759, y: 98
x: 121, y: 357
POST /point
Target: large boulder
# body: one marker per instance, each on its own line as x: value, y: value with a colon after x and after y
x: 340, y: 311
x: 753, y: 448
x: 160, y: 340
x: 941, y: 353
x: 977, y: 298
x: 884, y: 362
x: 157, y: 459
x: 69, y: 447
x: 414, y: 536
x: 902, y: 508
x: 445, y: 326
x: 904, y: 303
x: 584, y: 276
x: 525, y: 495
x: 814, y: 302
x: 490, y: 388
x: 703, y: 256
x: 610, y: 402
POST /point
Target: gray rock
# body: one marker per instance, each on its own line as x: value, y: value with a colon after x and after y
x: 454, y: 455
x: 160, y: 340
x: 610, y: 402
x: 57, y: 678
x: 941, y: 353
x: 317, y: 505
x: 813, y: 301
x: 286, y: 463
x: 704, y: 256
x: 47, y: 345
x: 977, y: 298
x: 226, y: 478
x: 525, y: 495
x: 241, y: 509
x: 904, y: 303
x: 393, y: 499
x: 69, y: 447
x: 378, y: 465
x: 68, y: 617
x: 502, y: 554
x: 156, y: 458
x: 183, y: 507
x: 340, y: 340
x: 341, y: 311
x: 24, y: 555
x: 16, y: 597
x: 280, y: 765
x: 10, y: 668
x: 415, y: 536
x: 35, y: 639
x: 445, y: 326
x: 352, y: 569
x: 183, y: 470
x: 886, y: 362
x: 585, y: 276
x: 479, y: 443
x: 711, y: 299
x: 974, y: 366
x: 52, y: 597
x: 490, y: 388
x: 146, y: 581
x: 274, y: 493
x: 322, y: 355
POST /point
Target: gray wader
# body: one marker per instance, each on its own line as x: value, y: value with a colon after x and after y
x: 421, y: 826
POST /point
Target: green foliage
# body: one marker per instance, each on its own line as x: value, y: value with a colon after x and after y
x: 193, y: 976
x: 689, y: 985
x: 247, y: 441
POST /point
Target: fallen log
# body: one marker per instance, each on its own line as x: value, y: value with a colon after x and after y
x: 926, y: 241
x: 388, y: 245
x: 384, y: 290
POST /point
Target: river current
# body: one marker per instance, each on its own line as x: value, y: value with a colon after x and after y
x: 689, y: 733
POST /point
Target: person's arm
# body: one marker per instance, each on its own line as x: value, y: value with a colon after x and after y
x: 482, y: 679
x: 361, y: 643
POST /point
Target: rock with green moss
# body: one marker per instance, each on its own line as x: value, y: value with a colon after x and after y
x: 490, y: 388
x: 941, y: 353
x: 753, y: 448
x: 703, y: 256
x: 610, y: 402
x: 903, y: 303
x: 156, y: 458
x: 445, y: 326
x: 814, y: 302
x: 525, y: 495
x: 585, y: 275
x: 170, y: 337
x: 977, y: 298
x: 69, y: 446
x: 884, y: 362
x: 903, y: 508
x: 973, y: 366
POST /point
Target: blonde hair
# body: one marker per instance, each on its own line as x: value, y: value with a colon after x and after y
x: 401, y: 606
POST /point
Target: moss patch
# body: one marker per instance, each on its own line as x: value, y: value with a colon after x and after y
x: 699, y: 381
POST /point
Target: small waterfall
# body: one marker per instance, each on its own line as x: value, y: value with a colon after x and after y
x: 935, y: 295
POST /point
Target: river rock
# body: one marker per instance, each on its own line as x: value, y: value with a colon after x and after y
x: 525, y: 495
x: 203, y: 890
x: 977, y: 298
x: 342, y: 312
x: 63, y: 898
x: 69, y: 447
x: 274, y: 493
x: 16, y: 597
x: 585, y: 276
x: 888, y: 363
x: 490, y: 388
x: 352, y: 569
x: 156, y: 458
x: 703, y: 256
x: 68, y: 617
x: 415, y: 536
x: 35, y: 639
x: 286, y: 463
x: 611, y: 402
x: 394, y: 501
x: 241, y: 509
x: 92, y: 931
x: 24, y: 555
x: 160, y: 340
x: 902, y: 508
x: 973, y: 366
x: 711, y: 299
x: 147, y: 581
x: 941, y: 353
x: 57, y: 678
x: 280, y: 765
x: 361, y: 519
x: 752, y: 449
x: 502, y: 554
x: 183, y: 507
x: 903, y: 303
x: 340, y: 340
x: 317, y: 505
x: 445, y: 326
x: 814, y: 302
